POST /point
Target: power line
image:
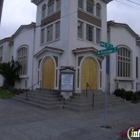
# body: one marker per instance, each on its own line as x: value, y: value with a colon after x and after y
x: 134, y: 2
x: 85, y: 9
x: 127, y: 4
x: 41, y: 24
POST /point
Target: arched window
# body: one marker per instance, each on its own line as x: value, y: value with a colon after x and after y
x: 44, y: 11
x: 90, y: 6
x: 58, y: 4
x: 53, y: 6
x: 98, y: 10
x: 124, y: 62
x: 80, y: 4
x: 22, y: 59
x: 50, y: 8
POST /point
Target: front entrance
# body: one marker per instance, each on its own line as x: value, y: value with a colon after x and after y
x: 88, y: 74
x: 48, y: 71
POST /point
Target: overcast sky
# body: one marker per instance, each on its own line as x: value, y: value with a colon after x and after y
x: 21, y: 12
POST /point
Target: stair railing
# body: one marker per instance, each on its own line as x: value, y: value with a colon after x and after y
x: 87, y: 85
x: 32, y: 89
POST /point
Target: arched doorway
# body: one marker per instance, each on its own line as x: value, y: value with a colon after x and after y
x: 89, y: 74
x: 48, y: 70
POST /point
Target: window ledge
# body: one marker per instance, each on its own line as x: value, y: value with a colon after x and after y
x: 86, y: 41
x: 89, y: 13
x: 50, y: 42
x: 50, y: 15
x: 23, y: 77
x: 124, y: 79
x: 81, y: 39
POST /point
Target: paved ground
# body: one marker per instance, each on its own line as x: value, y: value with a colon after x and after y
x: 19, y: 121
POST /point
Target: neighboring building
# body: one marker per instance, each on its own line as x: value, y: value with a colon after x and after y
x: 5, y: 52
x: 20, y: 47
x: 23, y: 51
x: 125, y: 64
x: 1, y: 6
x: 67, y: 33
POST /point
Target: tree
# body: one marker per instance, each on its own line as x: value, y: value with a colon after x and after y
x: 9, y: 71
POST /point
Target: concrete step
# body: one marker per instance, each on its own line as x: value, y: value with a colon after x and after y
x: 89, y: 104
x: 42, y: 95
x: 39, y: 105
x: 97, y: 95
x: 96, y: 99
x: 44, y: 92
x: 44, y: 98
x: 79, y: 102
x: 53, y: 100
x: 40, y: 101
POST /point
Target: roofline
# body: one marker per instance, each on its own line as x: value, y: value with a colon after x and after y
x: 123, y: 25
x: 47, y: 48
x: 8, y: 39
x: 107, y: 1
x: 86, y: 49
x: 36, y: 2
x: 32, y: 24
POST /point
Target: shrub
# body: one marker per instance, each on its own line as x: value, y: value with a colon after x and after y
x: 138, y: 93
x: 136, y: 97
x: 120, y: 92
x: 129, y: 95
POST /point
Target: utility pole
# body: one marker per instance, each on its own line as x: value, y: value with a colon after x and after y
x: 1, y: 6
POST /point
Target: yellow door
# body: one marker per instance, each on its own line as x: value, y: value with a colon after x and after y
x: 89, y: 74
x: 48, y: 74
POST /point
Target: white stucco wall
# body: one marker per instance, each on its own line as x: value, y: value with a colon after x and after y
x: 64, y: 27
x: 68, y: 34
x: 5, y: 56
x: 121, y: 36
x: 25, y: 38
x: 6, y: 51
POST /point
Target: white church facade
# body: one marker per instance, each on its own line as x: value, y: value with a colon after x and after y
x: 67, y: 33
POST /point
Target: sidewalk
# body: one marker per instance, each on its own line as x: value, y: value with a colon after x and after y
x: 23, y: 122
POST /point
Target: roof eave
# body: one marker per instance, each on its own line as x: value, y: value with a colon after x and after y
x: 107, y: 1
x: 47, y: 49
x: 87, y: 50
x: 8, y: 39
x: 122, y: 25
x: 32, y: 25
x: 36, y: 2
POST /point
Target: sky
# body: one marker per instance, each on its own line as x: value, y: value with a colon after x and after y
x: 22, y: 12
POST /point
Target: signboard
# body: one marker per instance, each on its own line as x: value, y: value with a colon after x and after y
x: 106, y: 45
x: 107, y: 51
x: 66, y: 82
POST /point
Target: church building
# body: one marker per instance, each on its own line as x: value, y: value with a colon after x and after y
x: 67, y: 34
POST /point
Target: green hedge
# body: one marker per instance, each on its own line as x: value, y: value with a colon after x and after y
x: 128, y: 95
x: 120, y: 92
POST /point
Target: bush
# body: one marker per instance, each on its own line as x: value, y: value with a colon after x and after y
x: 129, y: 95
x: 136, y: 96
x: 120, y: 92
x: 138, y: 93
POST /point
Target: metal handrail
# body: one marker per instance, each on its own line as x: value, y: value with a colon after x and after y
x: 32, y: 89
x: 87, y: 85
